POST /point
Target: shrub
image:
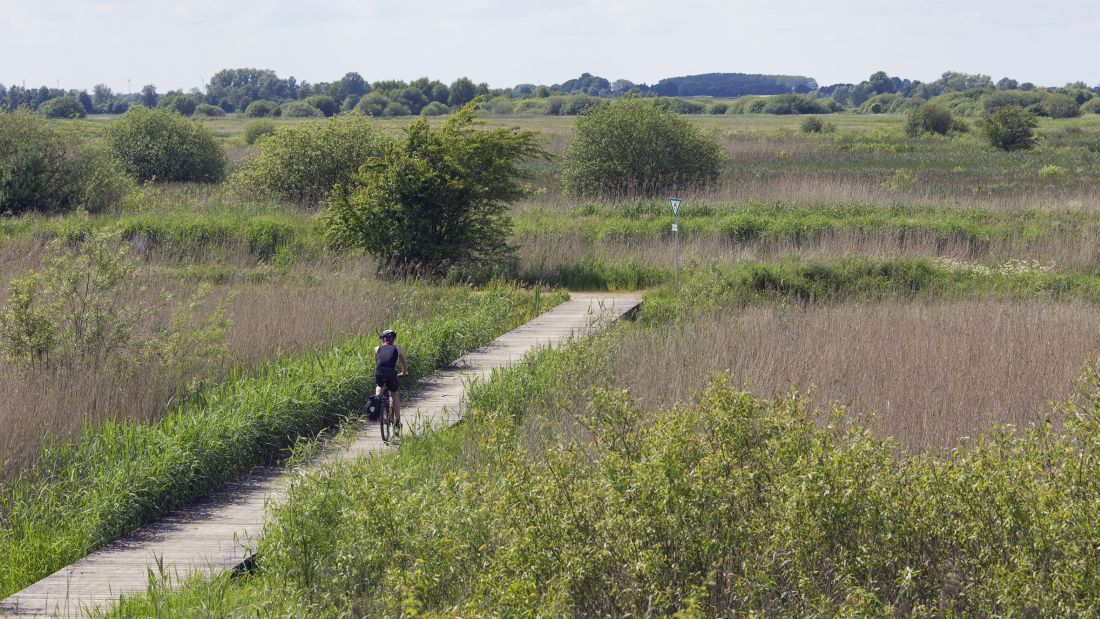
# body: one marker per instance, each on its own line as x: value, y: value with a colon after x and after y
x: 372, y: 104
x: 302, y: 163
x: 62, y: 107
x: 436, y: 199
x: 1058, y: 105
x: 1011, y: 127
x: 797, y: 104
x: 1052, y: 172
x: 576, y: 104
x: 163, y: 146
x: 396, y: 108
x: 327, y: 105
x: 632, y: 145
x: 45, y: 170
x: 717, y: 107
x: 498, y: 105
x: 929, y: 118
x: 209, y: 111
x: 179, y: 103
x: 435, y: 108
x: 300, y: 109
x: 814, y: 124
x: 1092, y: 106
x: 75, y: 311
x: 993, y: 101
x: 256, y: 129
x: 261, y: 109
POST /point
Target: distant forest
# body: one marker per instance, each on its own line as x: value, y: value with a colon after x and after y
x: 261, y: 92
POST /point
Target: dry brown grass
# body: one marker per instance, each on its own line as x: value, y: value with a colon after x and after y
x: 294, y: 313
x: 930, y: 373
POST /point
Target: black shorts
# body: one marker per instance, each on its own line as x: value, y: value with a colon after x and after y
x: 390, y: 382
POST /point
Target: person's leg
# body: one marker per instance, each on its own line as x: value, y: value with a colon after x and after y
x: 396, y: 399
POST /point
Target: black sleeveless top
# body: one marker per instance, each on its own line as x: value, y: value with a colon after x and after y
x: 386, y: 360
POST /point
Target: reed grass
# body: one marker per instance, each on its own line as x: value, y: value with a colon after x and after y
x: 926, y: 375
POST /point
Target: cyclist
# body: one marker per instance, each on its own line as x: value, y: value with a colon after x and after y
x: 386, y: 356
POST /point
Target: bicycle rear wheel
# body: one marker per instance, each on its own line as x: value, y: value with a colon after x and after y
x: 385, y: 422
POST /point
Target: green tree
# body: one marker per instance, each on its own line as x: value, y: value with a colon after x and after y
x: 44, y: 169
x: 149, y: 96
x: 636, y: 146
x: 435, y: 199
x: 102, y: 96
x: 302, y: 163
x: 929, y: 118
x: 461, y: 92
x: 1011, y: 127
x: 179, y: 103
x: 156, y: 144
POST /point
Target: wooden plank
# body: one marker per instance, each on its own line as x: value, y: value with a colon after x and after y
x: 217, y: 534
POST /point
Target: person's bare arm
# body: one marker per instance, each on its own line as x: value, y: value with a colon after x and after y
x: 401, y: 358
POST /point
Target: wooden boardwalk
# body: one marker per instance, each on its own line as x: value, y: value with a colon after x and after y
x: 218, y: 533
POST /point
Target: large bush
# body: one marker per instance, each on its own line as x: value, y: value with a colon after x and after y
x: 634, y: 146
x: 302, y: 163
x: 1011, y: 127
x: 435, y: 108
x: 327, y: 105
x: 435, y: 199
x: 262, y: 109
x: 209, y: 111
x: 1058, y: 105
x: 256, y: 129
x: 62, y: 107
x: 372, y: 104
x: 300, y: 109
x: 45, y: 170
x: 1092, y: 106
x: 164, y: 146
x: 929, y: 118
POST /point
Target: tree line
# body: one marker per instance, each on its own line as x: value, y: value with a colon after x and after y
x: 261, y: 92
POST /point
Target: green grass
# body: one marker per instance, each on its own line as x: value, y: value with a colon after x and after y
x: 87, y: 493
x: 797, y: 280
x: 781, y: 222
x: 550, y: 501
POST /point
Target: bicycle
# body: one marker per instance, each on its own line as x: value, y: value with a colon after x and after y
x: 386, y: 418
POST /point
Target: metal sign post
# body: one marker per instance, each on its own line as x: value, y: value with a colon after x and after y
x: 675, y: 204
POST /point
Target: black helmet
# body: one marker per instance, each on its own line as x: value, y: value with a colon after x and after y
x: 388, y: 334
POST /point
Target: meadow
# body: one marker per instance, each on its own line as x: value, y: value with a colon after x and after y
x: 860, y: 314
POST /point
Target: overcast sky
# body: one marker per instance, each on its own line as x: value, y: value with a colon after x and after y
x: 178, y: 44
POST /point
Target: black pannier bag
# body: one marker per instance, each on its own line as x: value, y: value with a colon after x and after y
x: 373, y: 407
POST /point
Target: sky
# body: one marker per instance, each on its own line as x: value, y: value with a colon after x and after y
x: 181, y: 43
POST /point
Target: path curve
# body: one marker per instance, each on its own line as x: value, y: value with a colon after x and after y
x: 217, y: 534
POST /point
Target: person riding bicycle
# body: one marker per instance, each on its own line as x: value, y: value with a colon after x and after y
x: 386, y: 356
